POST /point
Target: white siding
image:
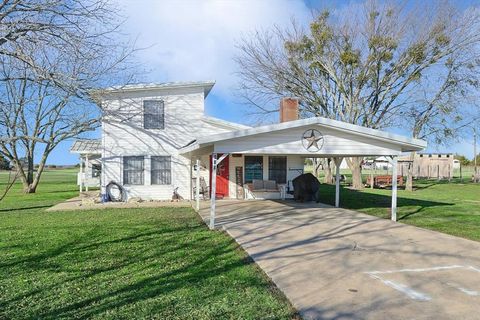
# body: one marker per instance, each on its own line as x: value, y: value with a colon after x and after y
x: 290, y: 142
x: 123, y: 135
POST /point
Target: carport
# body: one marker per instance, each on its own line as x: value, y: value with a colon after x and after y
x: 306, y: 138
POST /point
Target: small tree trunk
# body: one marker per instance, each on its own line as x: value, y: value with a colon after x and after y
x: 32, y: 188
x: 355, y: 165
x: 327, y: 168
x: 316, y: 167
x: 27, y: 183
x: 409, y: 182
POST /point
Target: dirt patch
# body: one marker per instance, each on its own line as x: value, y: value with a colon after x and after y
x: 91, y: 201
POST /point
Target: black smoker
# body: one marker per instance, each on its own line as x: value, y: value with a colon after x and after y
x: 305, y: 188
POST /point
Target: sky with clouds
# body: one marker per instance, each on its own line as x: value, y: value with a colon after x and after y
x: 187, y: 40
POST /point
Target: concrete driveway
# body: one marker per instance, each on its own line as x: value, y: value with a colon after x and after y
x: 340, y: 264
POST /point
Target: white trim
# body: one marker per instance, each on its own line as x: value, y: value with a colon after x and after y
x: 207, y: 85
x: 408, y: 144
x: 197, y: 185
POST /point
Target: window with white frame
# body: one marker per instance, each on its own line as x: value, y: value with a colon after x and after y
x: 161, y: 170
x: 133, y: 168
x: 153, y: 114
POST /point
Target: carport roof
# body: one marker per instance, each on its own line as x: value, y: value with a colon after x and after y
x: 406, y: 144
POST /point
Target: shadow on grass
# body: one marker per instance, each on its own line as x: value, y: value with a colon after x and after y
x: 358, y: 200
x: 161, y: 263
x: 25, y: 208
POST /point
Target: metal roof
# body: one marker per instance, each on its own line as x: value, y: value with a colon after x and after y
x: 90, y: 146
x: 224, y: 123
x: 207, y: 85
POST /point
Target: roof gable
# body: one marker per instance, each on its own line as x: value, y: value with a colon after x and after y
x: 338, y: 139
x: 415, y: 144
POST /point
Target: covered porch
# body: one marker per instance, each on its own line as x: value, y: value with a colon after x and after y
x: 90, y: 166
x: 236, y: 158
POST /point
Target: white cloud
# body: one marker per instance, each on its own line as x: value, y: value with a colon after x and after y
x: 195, y: 40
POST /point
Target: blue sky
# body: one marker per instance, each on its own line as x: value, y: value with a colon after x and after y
x: 187, y: 40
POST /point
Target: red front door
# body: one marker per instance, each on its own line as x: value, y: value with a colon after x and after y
x: 222, y: 177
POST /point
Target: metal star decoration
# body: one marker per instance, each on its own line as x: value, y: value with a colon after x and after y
x: 312, y: 140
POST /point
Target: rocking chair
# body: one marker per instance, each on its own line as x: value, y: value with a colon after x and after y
x: 204, y: 189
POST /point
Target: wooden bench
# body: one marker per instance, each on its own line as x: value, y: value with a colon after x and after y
x: 383, y: 181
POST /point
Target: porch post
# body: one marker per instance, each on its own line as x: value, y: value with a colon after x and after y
x: 81, y: 174
x: 338, y: 162
x: 197, y: 187
x: 86, y: 170
x: 394, y: 188
x: 213, y: 190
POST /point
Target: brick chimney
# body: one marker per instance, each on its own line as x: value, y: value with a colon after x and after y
x: 288, y: 109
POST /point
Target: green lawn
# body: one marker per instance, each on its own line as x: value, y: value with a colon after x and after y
x: 122, y: 263
x: 164, y: 263
x: 452, y: 208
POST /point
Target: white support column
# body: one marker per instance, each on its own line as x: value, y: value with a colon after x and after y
x: 81, y: 174
x: 338, y: 162
x: 213, y: 190
x: 197, y: 187
x: 86, y: 170
x: 213, y: 195
x: 394, y: 187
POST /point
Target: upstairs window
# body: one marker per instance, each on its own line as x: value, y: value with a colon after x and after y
x: 253, y: 168
x: 277, y: 169
x: 161, y: 171
x: 153, y: 114
x: 133, y: 170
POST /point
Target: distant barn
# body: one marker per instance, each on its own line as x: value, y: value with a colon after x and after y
x: 430, y: 165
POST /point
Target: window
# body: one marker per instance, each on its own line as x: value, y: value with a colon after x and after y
x: 161, y: 170
x: 96, y: 170
x: 153, y: 114
x: 253, y: 168
x: 277, y: 169
x: 133, y: 170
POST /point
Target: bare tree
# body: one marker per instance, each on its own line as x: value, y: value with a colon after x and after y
x: 366, y: 67
x: 86, y: 27
x: 53, y: 55
x: 443, y: 112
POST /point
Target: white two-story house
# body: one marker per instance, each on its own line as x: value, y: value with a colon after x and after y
x: 155, y: 136
x: 143, y: 129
